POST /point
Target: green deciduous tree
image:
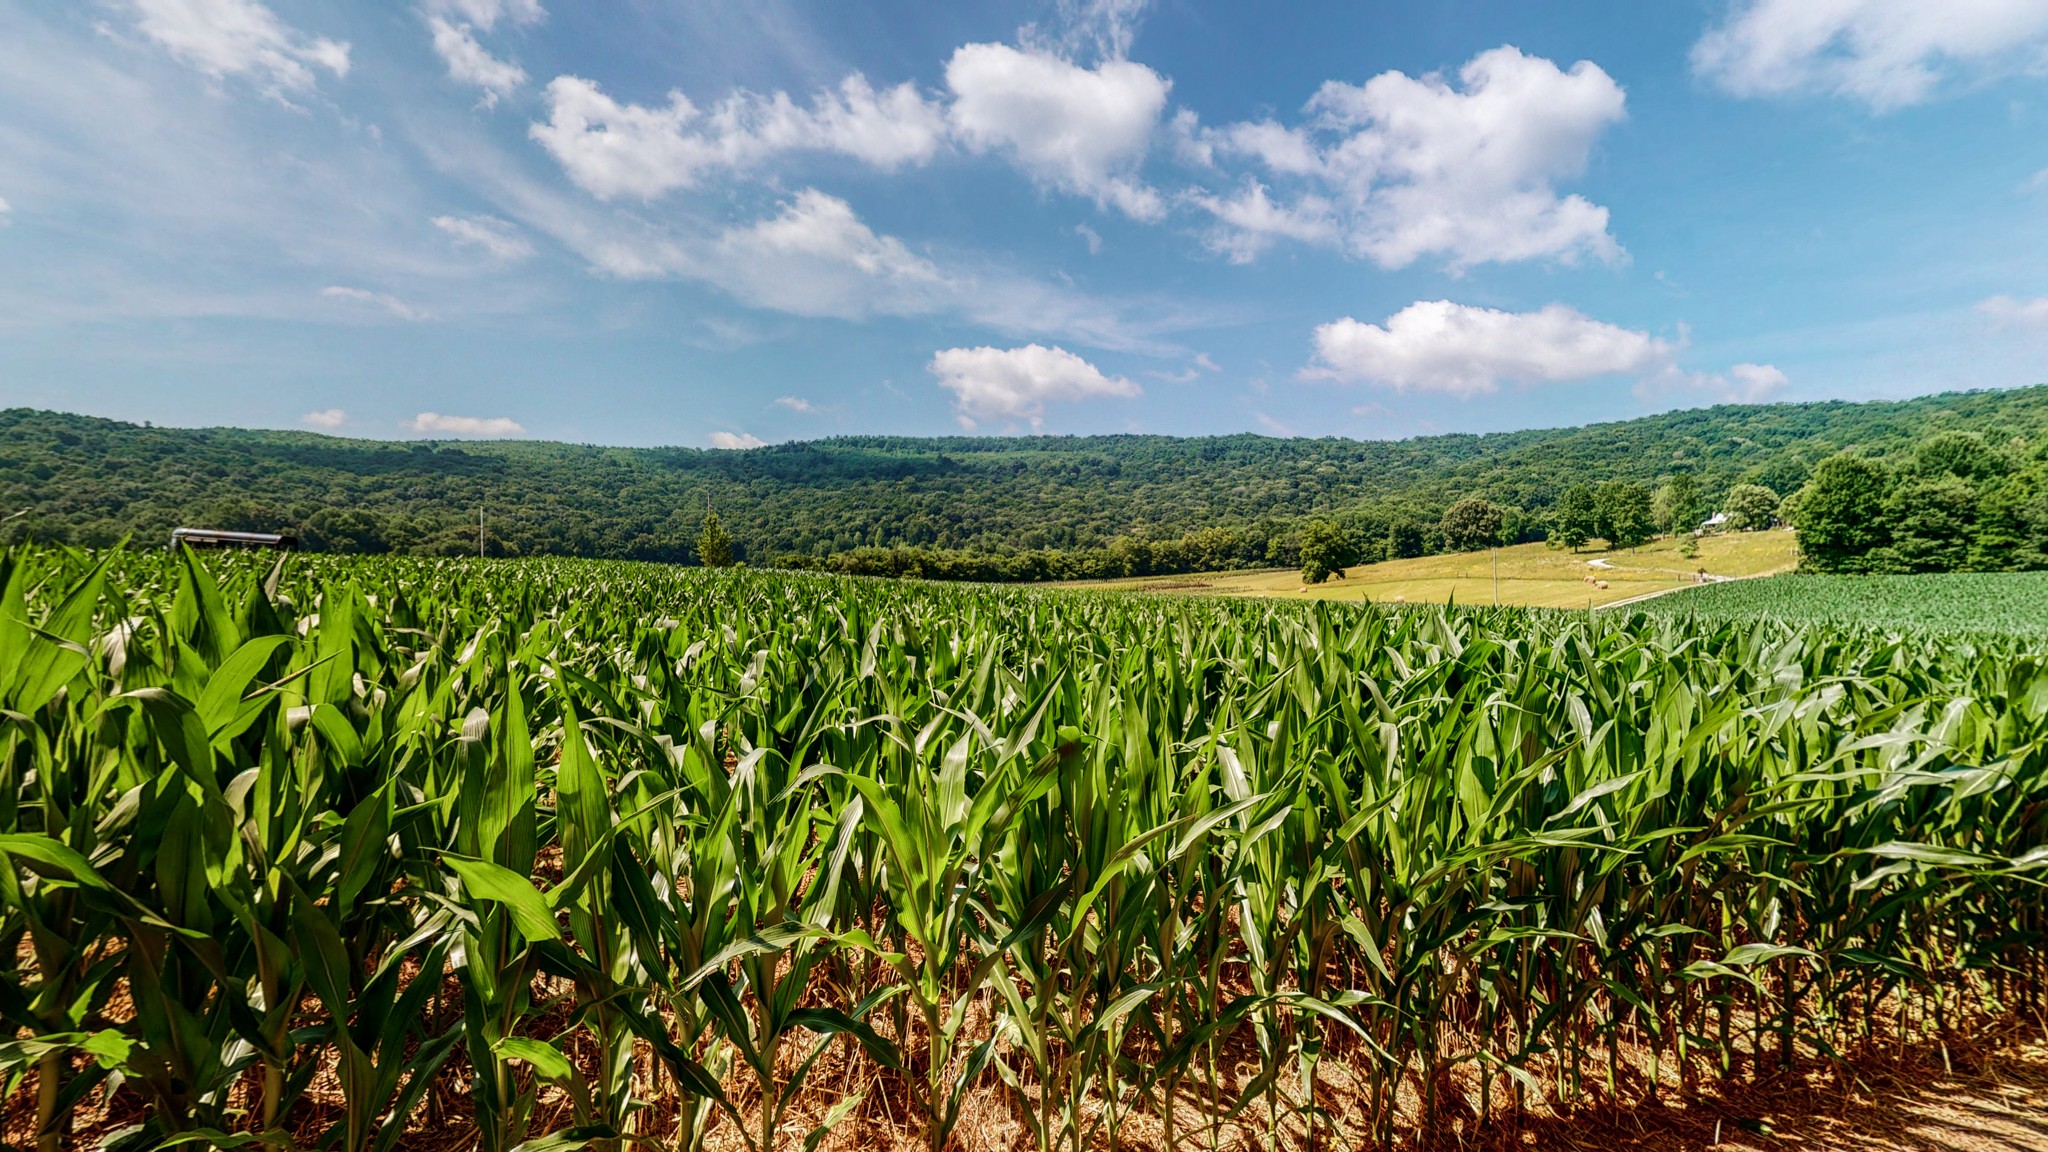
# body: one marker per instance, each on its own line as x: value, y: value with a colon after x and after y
x: 2012, y: 525
x: 1404, y: 540
x: 1578, y: 517
x: 1677, y: 504
x: 1783, y: 474
x: 1471, y: 524
x: 1325, y: 551
x: 1841, y: 514
x: 1624, y: 513
x: 1964, y: 455
x: 714, y: 543
x: 1932, y: 520
x: 1750, y: 507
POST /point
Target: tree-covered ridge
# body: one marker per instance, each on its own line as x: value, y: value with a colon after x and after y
x: 947, y: 500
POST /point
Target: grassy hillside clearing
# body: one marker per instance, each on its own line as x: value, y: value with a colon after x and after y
x: 1531, y: 575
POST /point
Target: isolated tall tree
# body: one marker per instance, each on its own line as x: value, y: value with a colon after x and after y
x: 714, y: 543
x: 1325, y: 551
x: 1750, y: 506
x: 1578, y: 517
x: 1841, y: 515
x: 1471, y: 524
x: 1625, y: 513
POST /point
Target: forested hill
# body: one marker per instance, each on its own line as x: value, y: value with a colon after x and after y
x: 93, y: 481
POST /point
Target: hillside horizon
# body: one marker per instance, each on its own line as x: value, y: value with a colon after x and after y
x: 93, y: 481
x: 973, y: 441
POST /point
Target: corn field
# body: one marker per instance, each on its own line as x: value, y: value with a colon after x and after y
x: 548, y: 855
x: 1954, y: 603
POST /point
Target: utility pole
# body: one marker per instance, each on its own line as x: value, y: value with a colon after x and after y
x: 1496, y: 575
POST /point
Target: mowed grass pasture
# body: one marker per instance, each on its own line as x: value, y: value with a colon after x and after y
x: 378, y: 854
x: 1530, y: 575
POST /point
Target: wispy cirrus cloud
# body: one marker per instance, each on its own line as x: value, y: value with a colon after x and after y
x: 224, y: 38
x: 2007, y: 312
x: 455, y: 26
x: 1741, y: 384
x: 388, y: 303
x: 812, y: 255
x: 494, y: 236
x: 1885, y: 53
x: 469, y: 62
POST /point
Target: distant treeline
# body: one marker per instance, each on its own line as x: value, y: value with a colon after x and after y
x: 992, y: 508
x: 1620, y: 511
x: 1956, y: 502
x: 1207, y: 550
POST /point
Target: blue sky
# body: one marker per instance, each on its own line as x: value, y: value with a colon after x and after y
x: 713, y: 223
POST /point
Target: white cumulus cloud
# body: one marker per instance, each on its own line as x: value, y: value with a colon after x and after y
x: 1752, y: 383
x: 471, y: 63
x: 329, y: 418
x: 2008, y: 312
x: 795, y: 404
x: 489, y: 233
x: 391, y: 304
x: 612, y: 149
x: 239, y: 37
x: 817, y: 258
x: 1439, y: 346
x: 493, y: 427
x: 1016, y: 383
x: 736, y: 440
x: 1403, y: 167
x: 1079, y: 130
x: 1886, y: 53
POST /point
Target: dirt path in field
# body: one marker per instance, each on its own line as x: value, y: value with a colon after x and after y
x: 1993, y: 1099
x: 1711, y: 580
